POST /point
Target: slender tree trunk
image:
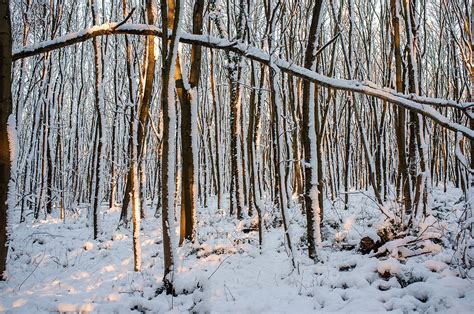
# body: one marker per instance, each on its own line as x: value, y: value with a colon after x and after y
x: 251, y: 142
x: 216, y: 110
x: 403, y: 184
x: 99, y: 137
x: 113, y: 144
x: 170, y: 14
x: 132, y: 96
x: 188, y: 96
x: 5, y: 111
x: 309, y: 139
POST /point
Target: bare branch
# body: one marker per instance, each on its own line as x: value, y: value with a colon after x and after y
x: 126, y: 19
x: 417, y: 104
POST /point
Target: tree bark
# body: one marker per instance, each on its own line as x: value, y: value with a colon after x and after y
x: 311, y: 202
x: 188, y: 97
x: 5, y: 111
x: 170, y: 14
x: 99, y: 140
x: 403, y: 184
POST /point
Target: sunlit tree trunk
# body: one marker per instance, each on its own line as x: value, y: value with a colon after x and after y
x: 170, y: 14
x: 187, y: 91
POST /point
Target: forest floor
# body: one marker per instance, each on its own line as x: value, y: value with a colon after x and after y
x: 55, y: 266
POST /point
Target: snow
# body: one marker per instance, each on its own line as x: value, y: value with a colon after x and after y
x: 50, y: 270
x: 14, y: 150
x: 88, y: 246
x: 435, y: 266
x: 12, y: 141
x: 390, y: 266
x: 193, y: 93
x: 62, y: 39
x: 314, y: 193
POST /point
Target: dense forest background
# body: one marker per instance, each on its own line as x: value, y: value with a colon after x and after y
x: 279, y: 116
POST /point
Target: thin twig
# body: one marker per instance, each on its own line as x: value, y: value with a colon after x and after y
x: 43, y: 233
x: 42, y: 257
x: 218, y: 266
x: 379, y: 206
x: 124, y: 21
x: 230, y: 292
x: 328, y: 43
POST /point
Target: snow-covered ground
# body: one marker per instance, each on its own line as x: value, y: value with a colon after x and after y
x: 55, y: 266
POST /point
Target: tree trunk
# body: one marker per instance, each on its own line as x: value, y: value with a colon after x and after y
x: 188, y: 98
x: 403, y: 184
x: 251, y: 142
x: 99, y: 136
x: 131, y: 98
x: 311, y: 201
x: 5, y: 111
x: 170, y: 15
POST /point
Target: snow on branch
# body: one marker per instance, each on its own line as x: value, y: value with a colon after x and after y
x: 421, y: 105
